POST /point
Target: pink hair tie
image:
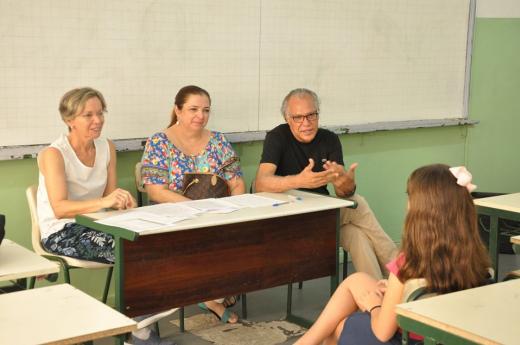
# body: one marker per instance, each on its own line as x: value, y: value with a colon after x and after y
x: 463, y: 177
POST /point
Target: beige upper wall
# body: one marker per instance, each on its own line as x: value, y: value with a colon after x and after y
x: 498, y: 8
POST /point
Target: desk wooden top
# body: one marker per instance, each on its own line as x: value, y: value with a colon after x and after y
x: 310, y: 202
x: 58, y: 314
x: 515, y: 239
x: 485, y: 315
x: 507, y: 202
x: 17, y: 262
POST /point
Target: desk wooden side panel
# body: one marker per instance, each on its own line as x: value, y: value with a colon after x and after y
x: 184, y: 267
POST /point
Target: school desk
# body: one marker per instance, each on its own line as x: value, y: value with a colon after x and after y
x: 57, y: 314
x: 217, y: 255
x: 18, y: 263
x: 505, y: 206
x: 483, y: 315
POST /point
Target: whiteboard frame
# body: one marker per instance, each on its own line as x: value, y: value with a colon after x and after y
x: 137, y: 144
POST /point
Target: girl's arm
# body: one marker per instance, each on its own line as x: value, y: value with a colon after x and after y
x: 384, y: 319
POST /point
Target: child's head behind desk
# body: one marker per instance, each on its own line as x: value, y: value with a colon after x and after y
x: 441, y: 242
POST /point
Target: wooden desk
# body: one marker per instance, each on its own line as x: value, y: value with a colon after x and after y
x: 58, y: 314
x: 216, y: 255
x: 505, y: 206
x: 17, y: 262
x: 484, y: 315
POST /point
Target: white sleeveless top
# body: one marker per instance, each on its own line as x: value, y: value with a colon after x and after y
x: 83, y: 183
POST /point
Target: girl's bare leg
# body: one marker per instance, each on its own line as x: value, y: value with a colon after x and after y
x: 334, y: 337
x: 340, y: 306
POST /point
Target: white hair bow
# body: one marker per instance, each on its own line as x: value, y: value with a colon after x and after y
x: 463, y: 177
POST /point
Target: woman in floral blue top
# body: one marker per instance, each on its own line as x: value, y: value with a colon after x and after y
x: 187, y: 146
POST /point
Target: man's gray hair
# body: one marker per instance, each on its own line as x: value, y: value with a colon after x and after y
x: 300, y: 93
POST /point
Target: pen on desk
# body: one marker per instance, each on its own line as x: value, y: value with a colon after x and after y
x: 281, y: 203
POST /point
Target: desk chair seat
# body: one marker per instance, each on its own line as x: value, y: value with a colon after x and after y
x: 66, y: 262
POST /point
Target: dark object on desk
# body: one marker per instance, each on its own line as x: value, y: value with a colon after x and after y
x: 207, y: 185
x: 204, y: 185
x: 506, y: 228
x: 2, y: 227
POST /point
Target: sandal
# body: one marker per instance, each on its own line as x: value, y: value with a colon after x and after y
x: 225, y: 316
x: 229, y: 301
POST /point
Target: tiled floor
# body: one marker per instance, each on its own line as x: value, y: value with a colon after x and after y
x: 270, y: 304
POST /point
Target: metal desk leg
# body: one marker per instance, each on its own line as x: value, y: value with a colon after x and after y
x: 289, y: 299
x: 493, y: 243
x: 118, y: 282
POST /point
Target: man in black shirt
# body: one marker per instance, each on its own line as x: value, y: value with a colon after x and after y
x: 300, y: 155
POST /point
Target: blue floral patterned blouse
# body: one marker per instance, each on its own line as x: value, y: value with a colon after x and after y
x: 163, y: 163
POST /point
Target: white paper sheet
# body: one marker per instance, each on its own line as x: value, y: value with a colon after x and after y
x: 253, y: 200
x: 171, y: 209
x: 139, y: 221
x: 212, y: 205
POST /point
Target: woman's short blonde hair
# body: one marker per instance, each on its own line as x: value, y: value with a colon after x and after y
x: 73, y: 102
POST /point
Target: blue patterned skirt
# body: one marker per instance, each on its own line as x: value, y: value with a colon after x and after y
x: 79, y: 242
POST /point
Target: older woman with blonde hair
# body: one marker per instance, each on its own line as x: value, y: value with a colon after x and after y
x: 78, y: 175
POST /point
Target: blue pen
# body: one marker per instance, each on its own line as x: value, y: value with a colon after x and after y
x: 280, y: 203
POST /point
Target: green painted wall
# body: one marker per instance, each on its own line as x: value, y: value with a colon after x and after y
x: 493, y: 145
x: 386, y: 158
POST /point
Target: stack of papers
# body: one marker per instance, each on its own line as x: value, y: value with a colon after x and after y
x: 160, y: 216
x: 252, y: 200
x: 212, y: 205
x: 139, y: 221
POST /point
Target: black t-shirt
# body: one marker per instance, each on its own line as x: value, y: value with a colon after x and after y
x: 291, y: 156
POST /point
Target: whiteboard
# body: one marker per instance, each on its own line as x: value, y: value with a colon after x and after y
x: 371, y: 61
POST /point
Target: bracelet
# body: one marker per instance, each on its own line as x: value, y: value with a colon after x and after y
x: 374, y: 307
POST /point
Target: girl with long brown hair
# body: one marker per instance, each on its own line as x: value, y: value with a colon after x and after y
x: 440, y: 243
